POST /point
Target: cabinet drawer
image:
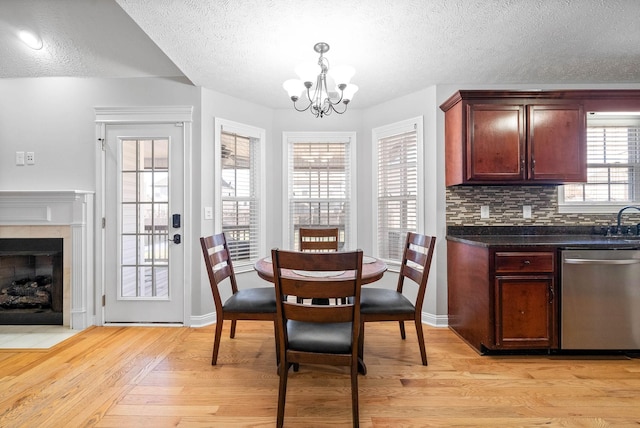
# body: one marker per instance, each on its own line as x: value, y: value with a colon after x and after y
x: 525, y: 262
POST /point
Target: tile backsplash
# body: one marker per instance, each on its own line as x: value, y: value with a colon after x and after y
x: 505, y: 207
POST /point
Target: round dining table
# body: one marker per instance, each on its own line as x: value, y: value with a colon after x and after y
x: 372, y: 270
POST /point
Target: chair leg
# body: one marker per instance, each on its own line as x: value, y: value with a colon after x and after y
x: 423, y: 352
x: 402, y: 332
x: 216, y: 342
x: 354, y: 394
x: 233, y: 329
x: 282, y: 393
x: 361, y: 341
x: 275, y: 331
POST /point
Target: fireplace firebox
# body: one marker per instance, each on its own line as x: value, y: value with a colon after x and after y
x: 31, y: 284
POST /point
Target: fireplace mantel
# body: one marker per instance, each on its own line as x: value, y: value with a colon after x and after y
x: 67, y: 214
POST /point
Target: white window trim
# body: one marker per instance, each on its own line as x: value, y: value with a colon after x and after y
x: 387, y: 131
x: 587, y: 208
x: 320, y: 137
x: 248, y: 131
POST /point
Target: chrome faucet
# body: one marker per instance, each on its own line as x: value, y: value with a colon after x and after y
x: 620, y: 215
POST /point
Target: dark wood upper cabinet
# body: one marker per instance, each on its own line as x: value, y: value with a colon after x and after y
x: 495, y: 148
x: 557, y: 148
x: 514, y: 138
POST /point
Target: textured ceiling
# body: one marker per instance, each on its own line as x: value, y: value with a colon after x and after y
x: 247, y: 48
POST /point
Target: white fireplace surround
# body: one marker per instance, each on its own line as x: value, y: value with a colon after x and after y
x: 67, y: 214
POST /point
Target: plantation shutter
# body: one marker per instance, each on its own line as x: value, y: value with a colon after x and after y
x: 319, y: 187
x: 397, y: 192
x: 240, y: 208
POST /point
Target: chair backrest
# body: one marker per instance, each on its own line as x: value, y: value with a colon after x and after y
x: 312, y: 283
x: 217, y: 259
x: 319, y: 239
x: 416, y: 263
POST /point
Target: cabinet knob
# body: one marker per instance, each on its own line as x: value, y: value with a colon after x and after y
x: 526, y: 262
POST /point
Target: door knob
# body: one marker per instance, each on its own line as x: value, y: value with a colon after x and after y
x: 176, y: 238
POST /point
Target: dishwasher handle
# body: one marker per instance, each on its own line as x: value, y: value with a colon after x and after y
x: 601, y: 261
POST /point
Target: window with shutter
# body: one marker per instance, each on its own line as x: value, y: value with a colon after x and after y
x: 398, y: 185
x: 320, y: 184
x: 613, y: 164
x: 239, y: 209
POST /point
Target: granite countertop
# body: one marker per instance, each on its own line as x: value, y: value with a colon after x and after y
x: 549, y: 236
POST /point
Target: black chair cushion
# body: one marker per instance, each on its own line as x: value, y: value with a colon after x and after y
x: 375, y: 300
x: 261, y: 299
x: 331, y: 338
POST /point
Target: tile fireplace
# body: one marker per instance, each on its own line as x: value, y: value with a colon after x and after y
x: 65, y: 217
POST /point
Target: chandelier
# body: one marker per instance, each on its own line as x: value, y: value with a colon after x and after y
x: 322, y: 102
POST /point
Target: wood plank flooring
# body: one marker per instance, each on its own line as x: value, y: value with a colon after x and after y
x: 162, y: 377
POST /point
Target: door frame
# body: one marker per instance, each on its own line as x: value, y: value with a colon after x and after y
x: 141, y: 115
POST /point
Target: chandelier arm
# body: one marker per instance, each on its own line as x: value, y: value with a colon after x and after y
x: 338, y: 111
x: 304, y: 109
x: 340, y: 100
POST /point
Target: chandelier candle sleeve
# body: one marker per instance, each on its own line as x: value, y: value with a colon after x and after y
x: 322, y: 102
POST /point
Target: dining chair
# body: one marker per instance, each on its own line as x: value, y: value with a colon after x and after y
x: 379, y: 304
x: 317, y: 334
x: 319, y: 238
x: 242, y: 304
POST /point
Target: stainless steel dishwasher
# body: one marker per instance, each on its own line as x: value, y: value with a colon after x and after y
x: 600, y: 300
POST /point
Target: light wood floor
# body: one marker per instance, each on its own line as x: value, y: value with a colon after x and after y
x: 156, y: 377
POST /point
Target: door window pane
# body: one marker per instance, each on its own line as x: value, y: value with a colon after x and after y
x: 144, y: 218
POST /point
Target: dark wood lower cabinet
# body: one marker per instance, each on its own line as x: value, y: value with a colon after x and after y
x: 503, y: 298
x: 524, y: 307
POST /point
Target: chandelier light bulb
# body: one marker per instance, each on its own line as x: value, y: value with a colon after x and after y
x: 30, y: 39
x: 294, y: 88
x: 349, y: 91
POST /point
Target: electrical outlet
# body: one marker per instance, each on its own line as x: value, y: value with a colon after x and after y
x: 526, y: 211
x: 484, y: 211
x: 31, y: 158
x: 20, y: 158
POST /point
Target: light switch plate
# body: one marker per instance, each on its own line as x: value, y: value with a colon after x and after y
x: 20, y: 158
x: 526, y: 211
x: 484, y: 211
x: 208, y: 213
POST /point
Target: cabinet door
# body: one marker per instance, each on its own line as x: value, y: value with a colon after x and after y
x: 525, y: 312
x: 495, y: 142
x: 557, y: 146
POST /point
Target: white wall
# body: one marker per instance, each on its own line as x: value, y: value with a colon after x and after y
x: 55, y: 118
x: 215, y: 104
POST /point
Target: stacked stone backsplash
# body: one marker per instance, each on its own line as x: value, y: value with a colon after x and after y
x: 505, y: 207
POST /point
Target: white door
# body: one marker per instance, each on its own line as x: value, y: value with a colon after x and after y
x: 144, y: 201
